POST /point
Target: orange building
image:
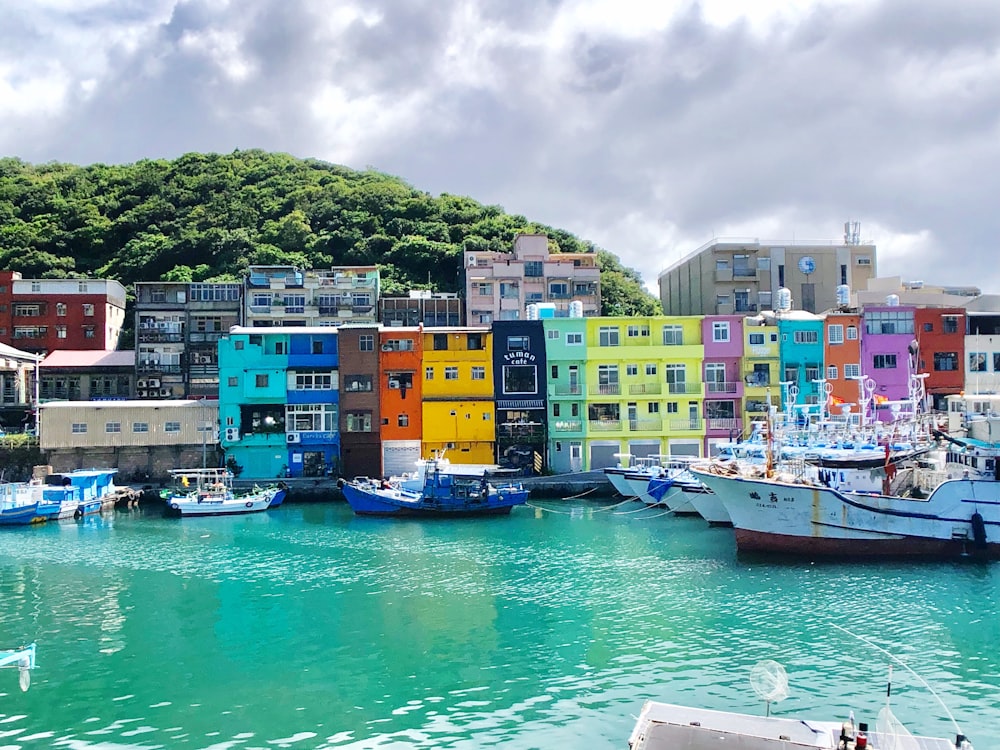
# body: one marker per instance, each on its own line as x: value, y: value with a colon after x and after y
x: 940, y: 335
x: 400, y: 354
x: 842, y: 354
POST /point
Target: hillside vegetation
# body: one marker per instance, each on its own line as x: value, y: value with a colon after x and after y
x: 205, y: 217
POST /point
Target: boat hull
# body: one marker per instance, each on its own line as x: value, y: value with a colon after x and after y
x: 371, y: 501
x: 709, y: 506
x: 19, y: 516
x: 960, y: 518
x: 617, y: 478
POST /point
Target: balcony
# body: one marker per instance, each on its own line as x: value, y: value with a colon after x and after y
x: 567, y: 425
x: 516, y: 431
x: 757, y: 379
x: 685, y: 425
x: 692, y: 389
x: 645, y: 425
x: 744, y: 307
x: 205, y: 337
x: 605, y: 425
x: 606, y: 389
x: 725, y: 424
x: 645, y: 389
x: 149, y: 365
x: 716, y: 387
x: 160, y: 337
x: 567, y: 390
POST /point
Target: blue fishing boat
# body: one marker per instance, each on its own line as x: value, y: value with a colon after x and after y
x: 18, y: 503
x: 22, y: 659
x: 74, y: 494
x: 443, y: 494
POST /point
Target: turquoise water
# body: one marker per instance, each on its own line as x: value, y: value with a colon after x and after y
x: 307, y: 627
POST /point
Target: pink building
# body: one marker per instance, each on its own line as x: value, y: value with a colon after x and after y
x: 885, y: 352
x: 723, y: 340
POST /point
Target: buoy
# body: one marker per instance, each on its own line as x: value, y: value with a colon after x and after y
x: 249, y: 504
x: 78, y: 513
x: 978, y: 530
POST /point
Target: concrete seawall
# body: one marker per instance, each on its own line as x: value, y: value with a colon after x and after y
x: 594, y: 483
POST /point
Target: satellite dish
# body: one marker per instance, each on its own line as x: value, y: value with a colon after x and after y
x: 770, y: 681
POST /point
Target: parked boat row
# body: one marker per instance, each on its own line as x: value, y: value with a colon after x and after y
x: 58, y: 496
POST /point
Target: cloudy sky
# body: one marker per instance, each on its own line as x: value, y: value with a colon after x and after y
x: 648, y: 127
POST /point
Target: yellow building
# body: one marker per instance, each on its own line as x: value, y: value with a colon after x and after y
x: 457, y: 408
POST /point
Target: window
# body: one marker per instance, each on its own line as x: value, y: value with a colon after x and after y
x: 756, y: 339
x: 636, y: 331
x: 36, y: 286
x: 88, y: 310
x: 552, y: 334
x: 238, y: 345
x: 171, y: 426
x: 233, y: 381
x: 89, y: 332
x: 864, y: 260
x: 79, y: 428
x: 359, y: 421
x: 112, y: 427
x: 60, y: 309
x: 60, y: 332
x: 358, y: 383
x: 451, y: 373
x: 533, y: 268
x: 722, y: 264
x: 298, y: 418
x: 262, y: 380
x: 509, y: 290
x: 213, y: 292
x: 607, y: 378
x: 608, y: 336
x: 715, y: 376
x: 791, y: 374
x: 886, y: 362
x: 428, y: 373
x: 517, y: 343
x: 555, y: 409
x: 806, y: 337
x: 650, y: 369
x: 440, y: 342
x: 852, y: 371
x: 574, y: 339
x: 722, y: 300
x: 673, y: 336
x: 835, y: 333
x: 947, y: 361
x: 366, y: 342
x: 676, y: 375
x: 574, y: 410
x: 483, y: 289
x: 763, y: 298
x: 671, y: 407
x: 403, y: 420
x: 479, y: 373
x: 520, y: 379
x: 720, y: 331
x: 928, y: 328
x: 812, y: 373
x: 889, y: 321
x: 852, y: 333
x: 977, y: 362
x: 474, y: 342
x: 631, y: 369
x: 555, y: 371
x: 487, y: 416
x: 831, y: 372
x: 653, y: 407
x: 949, y: 323
x: 397, y: 345
x: 140, y: 427
x: 558, y: 290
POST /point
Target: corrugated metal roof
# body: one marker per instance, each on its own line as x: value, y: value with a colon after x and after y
x: 10, y: 351
x: 165, y: 403
x: 89, y: 358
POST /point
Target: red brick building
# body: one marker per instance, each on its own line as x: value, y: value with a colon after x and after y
x: 940, y: 336
x: 43, y: 315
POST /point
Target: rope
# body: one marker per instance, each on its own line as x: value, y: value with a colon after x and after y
x: 568, y: 512
x: 574, y: 497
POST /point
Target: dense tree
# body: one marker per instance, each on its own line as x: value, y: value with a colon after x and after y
x: 209, y: 216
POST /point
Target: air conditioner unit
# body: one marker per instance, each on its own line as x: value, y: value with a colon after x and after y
x: 293, y: 437
x: 154, y: 383
x: 393, y: 383
x: 386, y: 348
x: 232, y: 434
x: 141, y: 394
x: 164, y: 392
x: 141, y: 383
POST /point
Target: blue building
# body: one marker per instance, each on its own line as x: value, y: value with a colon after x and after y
x: 800, y: 351
x: 279, y: 401
x: 519, y: 382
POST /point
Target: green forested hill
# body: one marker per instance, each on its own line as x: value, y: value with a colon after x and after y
x: 209, y: 216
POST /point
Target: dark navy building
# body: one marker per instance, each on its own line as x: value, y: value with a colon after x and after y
x: 519, y: 382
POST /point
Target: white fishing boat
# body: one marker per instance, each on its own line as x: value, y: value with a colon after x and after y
x: 616, y: 474
x: 210, y: 492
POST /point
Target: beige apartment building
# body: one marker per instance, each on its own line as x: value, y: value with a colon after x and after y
x: 725, y: 277
x: 500, y: 286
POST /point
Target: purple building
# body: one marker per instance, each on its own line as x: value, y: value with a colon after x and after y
x: 723, y: 341
x: 885, y: 352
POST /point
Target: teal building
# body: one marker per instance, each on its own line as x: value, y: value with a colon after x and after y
x: 800, y: 349
x: 279, y: 401
x: 566, y: 362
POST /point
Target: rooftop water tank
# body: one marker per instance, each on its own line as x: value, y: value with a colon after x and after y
x: 843, y: 295
x: 892, y: 300
x: 784, y: 299
x: 532, y: 311
x: 576, y: 309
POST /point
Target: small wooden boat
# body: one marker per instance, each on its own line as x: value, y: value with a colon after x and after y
x: 209, y: 492
x: 443, y: 494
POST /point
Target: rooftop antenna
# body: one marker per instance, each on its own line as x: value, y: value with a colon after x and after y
x: 852, y: 232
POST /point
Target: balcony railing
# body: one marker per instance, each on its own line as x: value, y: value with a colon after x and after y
x: 605, y: 425
x: 724, y: 423
x: 153, y: 366
x: 691, y: 388
x: 567, y: 425
x: 201, y: 337
x: 568, y: 390
x: 685, y: 425
x: 717, y: 387
x: 645, y: 425
x: 162, y: 337
x: 745, y: 307
x: 645, y: 389
x: 521, y: 431
x: 605, y: 389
